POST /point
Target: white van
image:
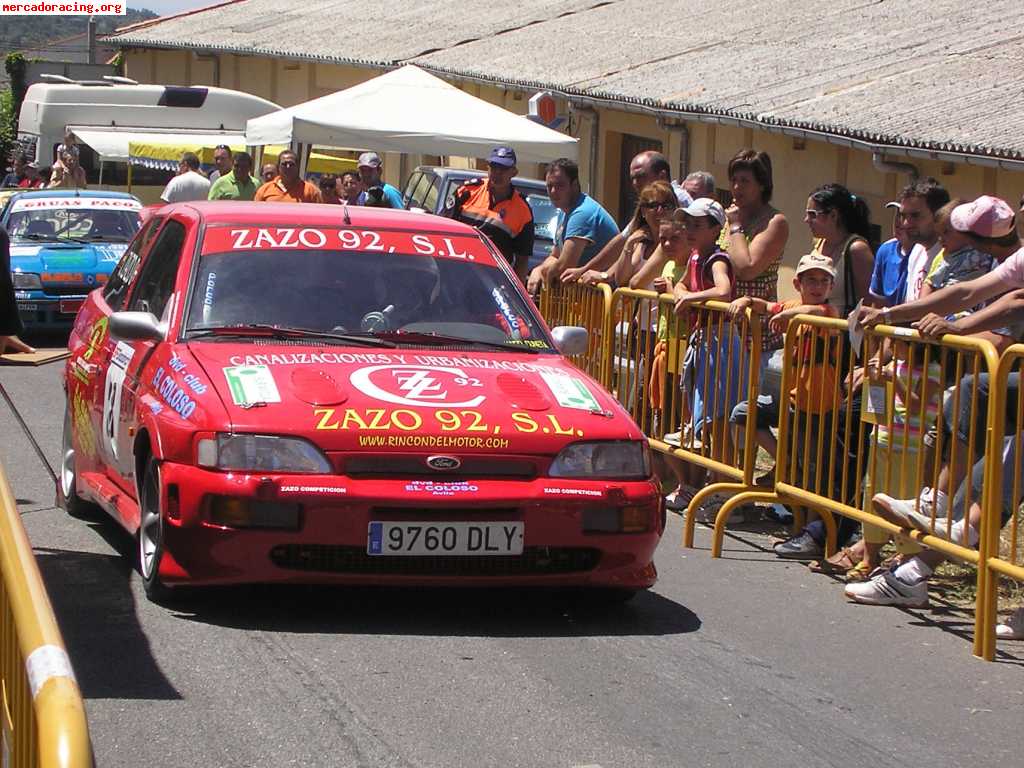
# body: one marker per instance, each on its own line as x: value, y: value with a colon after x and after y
x: 114, y: 111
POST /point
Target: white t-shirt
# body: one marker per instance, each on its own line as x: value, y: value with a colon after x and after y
x: 186, y: 186
x: 918, y: 263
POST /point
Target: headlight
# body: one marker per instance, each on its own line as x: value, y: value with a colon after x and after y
x: 262, y: 453
x: 612, y: 460
x: 26, y: 281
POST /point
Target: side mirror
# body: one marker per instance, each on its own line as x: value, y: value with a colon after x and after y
x: 571, y: 339
x: 136, y: 326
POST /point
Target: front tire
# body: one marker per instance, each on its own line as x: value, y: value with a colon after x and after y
x: 151, y: 534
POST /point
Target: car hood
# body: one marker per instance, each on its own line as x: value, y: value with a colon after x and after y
x: 351, y: 399
x: 66, y: 257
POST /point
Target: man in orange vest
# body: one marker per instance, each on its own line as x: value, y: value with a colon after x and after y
x: 287, y: 186
x: 494, y: 207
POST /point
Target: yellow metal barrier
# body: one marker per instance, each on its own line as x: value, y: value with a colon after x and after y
x: 587, y: 306
x: 680, y: 375
x: 42, y: 718
x: 861, y: 431
x: 896, y: 415
x: 1004, y: 488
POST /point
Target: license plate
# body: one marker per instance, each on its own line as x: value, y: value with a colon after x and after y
x: 28, y: 307
x: 402, y: 538
x: 70, y: 306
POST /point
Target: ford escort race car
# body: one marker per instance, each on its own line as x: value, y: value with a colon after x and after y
x: 279, y: 393
x: 64, y: 243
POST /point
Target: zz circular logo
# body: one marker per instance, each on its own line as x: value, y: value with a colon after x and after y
x: 419, y: 385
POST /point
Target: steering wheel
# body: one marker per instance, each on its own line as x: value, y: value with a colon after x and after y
x: 378, y: 320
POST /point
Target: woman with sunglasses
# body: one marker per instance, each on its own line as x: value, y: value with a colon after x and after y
x: 657, y: 201
x: 840, y: 224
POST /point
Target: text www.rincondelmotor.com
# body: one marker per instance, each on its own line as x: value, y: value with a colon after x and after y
x: 431, y: 441
x: 56, y: 9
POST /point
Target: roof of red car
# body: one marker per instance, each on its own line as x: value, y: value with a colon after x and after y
x: 290, y: 214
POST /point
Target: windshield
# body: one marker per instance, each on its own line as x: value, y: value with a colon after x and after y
x: 544, y: 215
x: 76, y: 224
x: 362, y: 291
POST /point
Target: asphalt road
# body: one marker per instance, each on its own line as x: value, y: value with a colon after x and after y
x: 744, y: 661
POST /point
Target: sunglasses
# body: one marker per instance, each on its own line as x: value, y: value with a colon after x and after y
x: 812, y: 214
x: 658, y: 205
x: 287, y: 163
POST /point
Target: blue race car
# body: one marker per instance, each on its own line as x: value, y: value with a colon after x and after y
x: 65, y: 243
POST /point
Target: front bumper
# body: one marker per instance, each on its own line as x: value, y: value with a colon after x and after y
x: 330, y: 544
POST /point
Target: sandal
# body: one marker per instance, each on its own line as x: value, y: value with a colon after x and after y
x: 860, y: 572
x: 841, y: 562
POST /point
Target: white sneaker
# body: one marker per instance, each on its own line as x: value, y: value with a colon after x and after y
x: 886, y: 589
x: 1013, y: 627
x: 923, y: 523
x: 903, y: 512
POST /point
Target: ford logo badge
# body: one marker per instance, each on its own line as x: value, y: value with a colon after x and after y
x: 443, y: 463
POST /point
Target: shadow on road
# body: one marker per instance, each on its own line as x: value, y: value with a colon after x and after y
x: 92, y: 599
x: 485, y: 612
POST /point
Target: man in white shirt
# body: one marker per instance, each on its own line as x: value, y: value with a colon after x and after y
x: 189, y: 184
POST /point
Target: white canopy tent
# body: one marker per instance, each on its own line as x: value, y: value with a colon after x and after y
x: 409, y: 110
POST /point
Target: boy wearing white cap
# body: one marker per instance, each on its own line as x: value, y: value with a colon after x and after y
x: 814, y: 384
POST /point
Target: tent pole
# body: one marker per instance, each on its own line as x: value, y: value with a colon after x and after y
x: 101, y: 172
x: 129, y: 175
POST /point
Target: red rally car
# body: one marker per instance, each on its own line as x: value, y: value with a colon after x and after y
x: 305, y: 393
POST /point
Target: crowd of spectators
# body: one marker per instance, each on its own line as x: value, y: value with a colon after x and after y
x: 233, y: 178
x: 951, y: 266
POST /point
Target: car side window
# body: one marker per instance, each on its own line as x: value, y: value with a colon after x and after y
x: 156, y: 280
x: 410, y: 187
x: 430, y: 198
x: 123, y: 274
x: 417, y: 200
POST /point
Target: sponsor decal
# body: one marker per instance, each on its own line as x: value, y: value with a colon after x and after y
x: 208, y: 295
x: 377, y: 358
x: 173, y: 394
x: 440, y: 489
x: 321, y: 490
x: 461, y: 247
x: 570, y: 392
x: 25, y: 250
x: 82, y: 425
x: 97, y: 333
x: 190, y: 379
x: 62, y: 277
x: 84, y: 203
x: 431, y: 441
x: 418, y: 385
x: 251, y: 384
x: 535, y: 343
x: 443, y: 420
x: 316, y: 358
x: 572, y: 492
x: 112, y: 389
x: 112, y: 252
x: 20, y: 295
